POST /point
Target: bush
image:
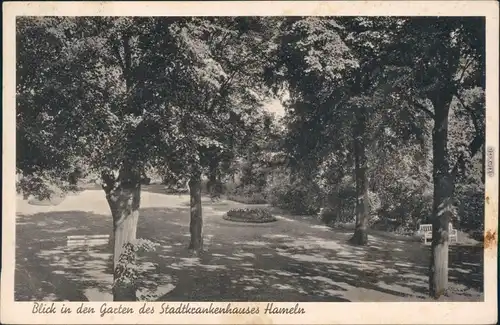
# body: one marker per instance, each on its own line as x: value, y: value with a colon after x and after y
x: 299, y: 197
x: 255, y: 198
x: 250, y: 215
x: 470, y: 206
x: 249, y: 194
x: 129, y: 268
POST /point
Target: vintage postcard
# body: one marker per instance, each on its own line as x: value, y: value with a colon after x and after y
x: 253, y: 162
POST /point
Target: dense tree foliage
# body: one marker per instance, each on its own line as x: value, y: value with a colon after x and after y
x: 384, y: 122
x: 373, y: 84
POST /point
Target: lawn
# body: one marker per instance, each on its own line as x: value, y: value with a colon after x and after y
x: 295, y: 258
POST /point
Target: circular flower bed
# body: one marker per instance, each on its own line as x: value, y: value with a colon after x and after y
x: 250, y: 215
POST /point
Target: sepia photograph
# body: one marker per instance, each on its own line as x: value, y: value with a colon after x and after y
x: 188, y: 160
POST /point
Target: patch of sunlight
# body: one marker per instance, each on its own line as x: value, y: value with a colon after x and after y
x: 195, y: 261
x: 62, y: 231
x: 358, y: 265
x: 148, y: 266
x: 313, y: 258
x: 332, y: 292
x: 347, y: 253
x: 471, y: 264
x: 246, y: 278
x: 233, y: 258
x: 286, y: 219
x: 423, y: 284
x: 95, y: 294
x: 19, y: 223
x: 461, y: 270
x: 390, y: 271
x: 321, y: 227
x: 398, y: 249
x: 146, y: 294
x: 102, y: 256
x: 395, y: 287
x: 280, y: 272
x: 246, y: 264
x: 275, y: 236
x: 282, y: 286
x: 253, y: 243
x: 213, y: 267
x: 98, y: 275
x: 50, y: 253
x: 64, y: 262
x: 249, y: 288
x: 50, y: 297
x: 58, y: 272
x: 96, y: 264
x: 404, y: 264
x: 181, y: 224
x: 314, y: 242
x: 320, y: 279
x: 414, y: 276
x: 244, y: 255
x: 218, y: 255
x: 188, y: 261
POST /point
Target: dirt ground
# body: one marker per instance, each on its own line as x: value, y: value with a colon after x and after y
x: 293, y: 259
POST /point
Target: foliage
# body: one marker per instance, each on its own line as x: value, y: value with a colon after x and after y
x: 127, y: 270
x: 250, y: 215
x: 388, y: 110
x: 249, y: 194
x: 295, y: 195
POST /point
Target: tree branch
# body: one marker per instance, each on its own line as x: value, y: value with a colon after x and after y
x: 424, y: 109
x: 127, y: 58
x: 464, y: 70
x: 109, y: 181
x: 116, y: 52
x: 474, y: 147
x: 470, y: 111
x: 475, y: 144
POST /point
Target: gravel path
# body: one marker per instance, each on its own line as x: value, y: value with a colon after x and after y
x: 293, y: 259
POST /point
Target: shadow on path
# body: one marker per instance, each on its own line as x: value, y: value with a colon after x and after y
x: 287, y: 260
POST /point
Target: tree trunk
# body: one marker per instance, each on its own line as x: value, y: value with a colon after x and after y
x: 124, y: 201
x: 360, y: 236
x: 212, y: 175
x: 196, y: 222
x: 443, y: 191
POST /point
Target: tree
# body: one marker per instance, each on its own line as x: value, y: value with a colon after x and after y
x: 348, y: 102
x: 90, y: 91
x: 442, y: 60
x: 221, y: 92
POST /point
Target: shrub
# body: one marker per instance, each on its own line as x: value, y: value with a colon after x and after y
x: 298, y: 197
x: 250, y: 215
x: 249, y: 194
x: 128, y: 270
x: 470, y: 207
x: 255, y: 198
